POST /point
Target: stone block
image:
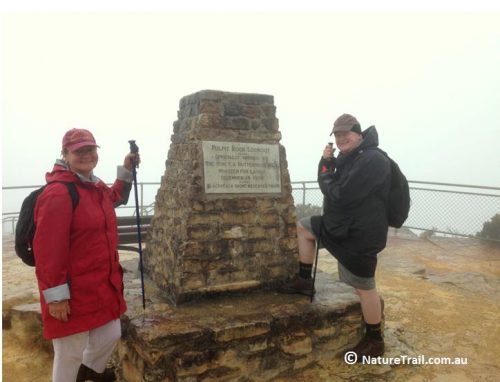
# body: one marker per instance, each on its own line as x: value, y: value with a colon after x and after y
x: 237, y: 123
x: 193, y: 281
x: 269, y: 219
x: 266, y: 205
x: 209, y: 121
x: 262, y: 245
x: 203, y: 219
x: 296, y: 344
x: 193, y: 363
x: 268, y: 110
x: 232, y: 109
x: 250, y: 111
x: 238, y: 218
x: 256, y: 99
x: 303, y: 362
x: 210, y: 107
x: 270, y: 124
x: 258, y: 232
x: 258, y: 346
x: 288, y: 244
x: 235, y: 232
x: 239, y: 330
x: 202, y: 233
x: 325, y: 332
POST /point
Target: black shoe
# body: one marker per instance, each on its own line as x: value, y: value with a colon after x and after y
x: 87, y: 374
x: 298, y: 285
x: 108, y: 375
x: 82, y: 373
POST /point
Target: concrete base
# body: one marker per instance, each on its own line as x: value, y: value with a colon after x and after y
x: 257, y: 336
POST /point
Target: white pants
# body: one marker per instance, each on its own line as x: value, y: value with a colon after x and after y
x: 92, y: 348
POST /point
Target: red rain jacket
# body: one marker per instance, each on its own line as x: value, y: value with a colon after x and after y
x: 79, y: 248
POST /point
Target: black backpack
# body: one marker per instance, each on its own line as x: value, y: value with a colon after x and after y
x: 25, y: 227
x: 398, y: 205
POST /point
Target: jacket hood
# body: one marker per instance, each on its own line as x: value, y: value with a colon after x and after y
x: 61, y: 173
x: 370, y: 138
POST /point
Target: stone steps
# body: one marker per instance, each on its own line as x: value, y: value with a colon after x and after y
x: 256, y: 336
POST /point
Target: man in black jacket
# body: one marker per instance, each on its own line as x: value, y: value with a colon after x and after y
x: 354, y: 225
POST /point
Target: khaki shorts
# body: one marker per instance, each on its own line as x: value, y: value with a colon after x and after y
x: 345, y: 275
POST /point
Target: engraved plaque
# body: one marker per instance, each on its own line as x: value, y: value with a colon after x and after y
x: 241, y: 168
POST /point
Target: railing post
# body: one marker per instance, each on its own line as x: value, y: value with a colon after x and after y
x: 142, y: 199
x: 303, y: 193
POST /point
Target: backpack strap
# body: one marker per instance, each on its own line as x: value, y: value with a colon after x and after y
x: 73, y: 193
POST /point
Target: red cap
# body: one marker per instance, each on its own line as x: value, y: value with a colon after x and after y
x: 77, y: 138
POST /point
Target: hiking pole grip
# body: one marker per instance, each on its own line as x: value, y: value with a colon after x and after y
x: 134, y: 149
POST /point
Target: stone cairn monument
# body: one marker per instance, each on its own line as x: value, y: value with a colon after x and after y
x: 224, y: 215
x: 222, y: 238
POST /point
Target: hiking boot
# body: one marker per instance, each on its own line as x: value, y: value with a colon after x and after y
x: 298, y: 285
x: 87, y: 374
x: 367, y: 347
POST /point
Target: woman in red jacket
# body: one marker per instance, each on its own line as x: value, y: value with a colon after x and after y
x: 79, y: 276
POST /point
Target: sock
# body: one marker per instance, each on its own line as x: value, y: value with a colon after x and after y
x: 374, y: 331
x: 305, y: 270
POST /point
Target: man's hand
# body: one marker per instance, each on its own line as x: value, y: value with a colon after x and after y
x: 328, y: 152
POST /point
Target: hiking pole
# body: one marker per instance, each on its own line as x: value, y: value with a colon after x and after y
x: 134, y: 149
x: 318, y: 242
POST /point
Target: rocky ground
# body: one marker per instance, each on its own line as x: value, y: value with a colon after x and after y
x: 442, y: 299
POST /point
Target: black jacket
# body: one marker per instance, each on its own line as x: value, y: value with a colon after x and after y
x: 354, y: 222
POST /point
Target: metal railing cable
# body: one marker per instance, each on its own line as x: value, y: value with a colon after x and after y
x: 446, y: 208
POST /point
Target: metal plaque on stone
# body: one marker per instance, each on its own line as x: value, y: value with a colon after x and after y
x: 241, y: 168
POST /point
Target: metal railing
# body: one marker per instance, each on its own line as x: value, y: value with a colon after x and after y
x: 445, y: 208
x: 9, y: 219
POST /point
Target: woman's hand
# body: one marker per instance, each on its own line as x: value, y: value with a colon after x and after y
x: 59, y: 310
x: 131, y: 160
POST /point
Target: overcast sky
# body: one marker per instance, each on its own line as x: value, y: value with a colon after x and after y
x: 428, y: 81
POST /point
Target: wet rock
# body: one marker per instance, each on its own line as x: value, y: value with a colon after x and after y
x: 255, y: 336
x: 473, y: 282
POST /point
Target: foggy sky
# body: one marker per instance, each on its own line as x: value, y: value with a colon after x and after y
x: 428, y: 81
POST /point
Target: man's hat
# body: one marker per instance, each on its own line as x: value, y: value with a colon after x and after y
x: 346, y: 122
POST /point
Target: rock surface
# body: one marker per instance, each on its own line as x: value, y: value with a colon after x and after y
x: 441, y: 300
